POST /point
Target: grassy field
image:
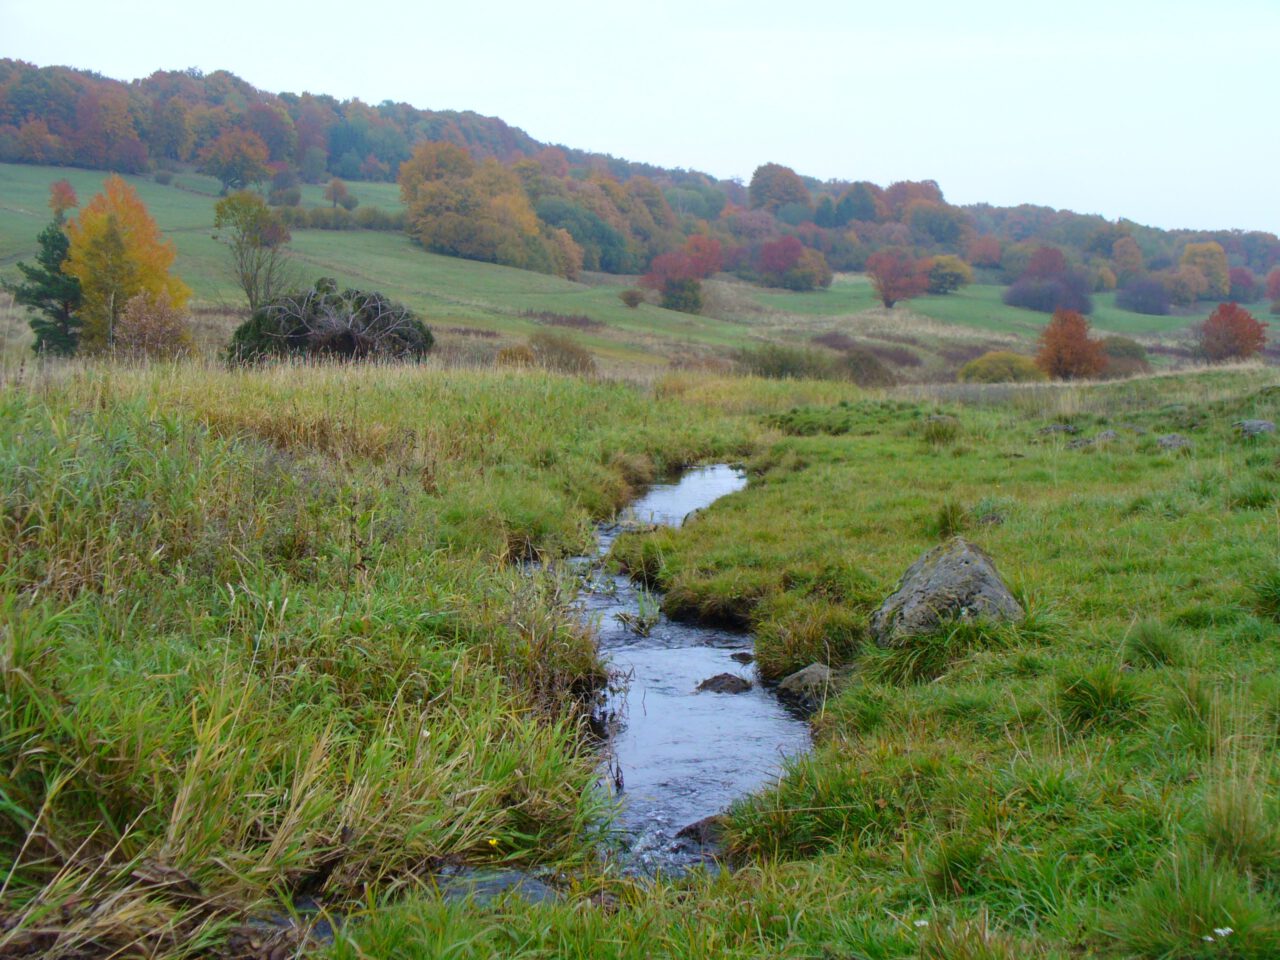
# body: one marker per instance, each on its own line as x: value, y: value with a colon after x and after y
x: 262, y: 638
x: 472, y: 296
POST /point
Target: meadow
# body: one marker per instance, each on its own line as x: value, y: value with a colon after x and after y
x: 265, y: 640
x: 466, y: 300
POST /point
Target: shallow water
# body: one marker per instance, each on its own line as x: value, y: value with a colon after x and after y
x: 676, y: 755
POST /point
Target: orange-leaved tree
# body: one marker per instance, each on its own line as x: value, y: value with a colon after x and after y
x: 62, y: 197
x: 897, y: 275
x: 116, y: 252
x: 1066, y: 350
x: 1230, y: 333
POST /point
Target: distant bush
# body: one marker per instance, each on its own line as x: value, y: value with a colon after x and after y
x: 1067, y: 352
x: 284, y: 197
x: 323, y: 322
x: 778, y: 362
x: 682, y: 295
x: 1001, y: 366
x: 1230, y: 333
x: 865, y: 369
x: 1144, y: 295
x: 576, y: 321
x: 632, y: 298
x: 948, y: 273
x: 1065, y: 291
x: 152, y: 330
x: 902, y: 356
x: 1125, y: 357
x: 554, y: 351
x: 516, y: 355
x: 163, y: 177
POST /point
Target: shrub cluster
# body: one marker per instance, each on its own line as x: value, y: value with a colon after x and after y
x: 323, y: 322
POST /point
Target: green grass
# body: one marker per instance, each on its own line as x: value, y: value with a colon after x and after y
x: 261, y: 636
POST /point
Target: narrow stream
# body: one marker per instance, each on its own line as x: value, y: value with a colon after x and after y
x: 677, y: 755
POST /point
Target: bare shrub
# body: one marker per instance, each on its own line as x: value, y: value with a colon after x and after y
x: 153, y: 330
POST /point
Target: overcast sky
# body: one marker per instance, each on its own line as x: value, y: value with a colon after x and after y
x: 1163, y: 112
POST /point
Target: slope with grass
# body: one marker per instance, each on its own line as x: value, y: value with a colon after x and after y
x: 942, y: 330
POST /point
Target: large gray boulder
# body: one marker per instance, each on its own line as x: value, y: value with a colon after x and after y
x: 954, y: 582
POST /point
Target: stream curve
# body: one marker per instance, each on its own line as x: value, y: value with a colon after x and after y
x: 676, y: 755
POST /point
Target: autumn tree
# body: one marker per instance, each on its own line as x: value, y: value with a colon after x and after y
x: 1230, y: 333
x: 677, y: 275
x: 1185, y: 285
x: 983, y: 250
x: 1211, y: 260
x: 1127, y: 257
x: 1273, y: 289
x: 116, y: 252
x: 1244, y: 285
x: 948, y: 273
x: 336, y: 192
x: 255, y: 238
x: 62, y: 197
x: 773, y: 185
x: 896, y: 275
x: 237, y: 158
x: 1066, y: 350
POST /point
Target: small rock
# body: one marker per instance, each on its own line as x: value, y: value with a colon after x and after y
x: 1106, y: 436
x: 808, y: 686
x: 1173, y: 441
x: 1058, y: 428
x: 725, y: 683
x: 742, y: 657
x: 1254, y: 428
x: 1080, y: 444
x: 705, y: 832
x: 955, y: 581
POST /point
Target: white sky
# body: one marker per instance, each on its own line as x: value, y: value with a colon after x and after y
x: 1163, y: 112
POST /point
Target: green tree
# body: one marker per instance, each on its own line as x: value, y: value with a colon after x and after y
x: 255, y: 237
x: 52, y: 296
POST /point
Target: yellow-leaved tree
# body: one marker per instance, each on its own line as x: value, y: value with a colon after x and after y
x: 117, y: 253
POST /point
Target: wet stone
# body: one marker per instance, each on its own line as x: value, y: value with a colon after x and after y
x: 724, y: 683
x: 742, y: 657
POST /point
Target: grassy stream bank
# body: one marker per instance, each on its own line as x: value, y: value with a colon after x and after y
x: 261, y: 638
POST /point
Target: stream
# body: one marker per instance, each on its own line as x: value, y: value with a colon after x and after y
x: 675, y: 755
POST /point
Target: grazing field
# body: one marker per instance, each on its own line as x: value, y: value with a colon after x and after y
x: 264, y: 642
x: 942, y: 331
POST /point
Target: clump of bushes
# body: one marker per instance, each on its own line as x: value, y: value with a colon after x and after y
x: 778, y: 362
x: 326, y: 322
x: 1144, y: 295
x: 1001, y: 366
x: 1066, y: 291
x: 1125, y: 357
x: 152, y: 329
x: 632, y: 298
x: 554, y: 351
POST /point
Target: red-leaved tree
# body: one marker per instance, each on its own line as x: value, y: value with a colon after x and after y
x: 896, y: 275
x: 1273, y: 287
x: 1230, y: 333
x: 1066, y: 350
